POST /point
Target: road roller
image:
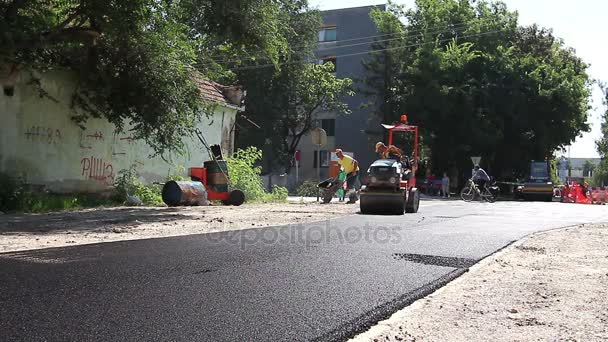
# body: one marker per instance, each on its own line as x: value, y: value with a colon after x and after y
x: 391, y: 184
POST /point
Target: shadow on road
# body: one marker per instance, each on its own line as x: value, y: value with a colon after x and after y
x: 87, y: 219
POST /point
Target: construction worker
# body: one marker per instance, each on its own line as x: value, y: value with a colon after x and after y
x: 351, y: 168
x: 393, y: 152
x: 388, y: 152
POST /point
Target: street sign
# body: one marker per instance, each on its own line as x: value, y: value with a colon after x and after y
x: 298, y: 155
x: 475, y: 160
x: 319, y: 136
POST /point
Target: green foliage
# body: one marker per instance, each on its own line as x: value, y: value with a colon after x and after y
x: 600, y: 177
x: 16, y: 197
x: 245, y: 176
x: 588, y: 167
x: 282, y: 101
x: 127, y: 184
x: 554, y: 166
x: 478, y: 84
x: 177, y: 174
x: 278, y: 194
x: 135, y: 60
x: 601, y: 171
x: 40, y: 202
x: 307, y: 189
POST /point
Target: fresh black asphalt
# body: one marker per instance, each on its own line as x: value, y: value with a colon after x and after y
x: 323, y: 281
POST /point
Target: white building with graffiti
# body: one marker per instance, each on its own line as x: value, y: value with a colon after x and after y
x: 40, y: 143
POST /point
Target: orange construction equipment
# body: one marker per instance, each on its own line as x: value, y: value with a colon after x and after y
x: 576, y: 190
x: 215, y: 193
x: 391, y: 183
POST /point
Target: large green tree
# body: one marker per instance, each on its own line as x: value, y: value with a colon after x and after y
x: 479, y: 84
x: 601, y: 171
x: 283, y: 99
x: 135, y: 59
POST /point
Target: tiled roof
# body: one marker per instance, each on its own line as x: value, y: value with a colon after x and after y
x: 211, y: 91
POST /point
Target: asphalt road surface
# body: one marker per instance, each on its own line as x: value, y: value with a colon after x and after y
x: 325, y: 281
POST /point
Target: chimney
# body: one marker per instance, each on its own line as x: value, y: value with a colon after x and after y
x: 234, y: 94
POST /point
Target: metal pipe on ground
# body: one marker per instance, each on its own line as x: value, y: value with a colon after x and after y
x: 184, y: 193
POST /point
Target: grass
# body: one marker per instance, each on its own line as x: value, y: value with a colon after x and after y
x: 33, y: 202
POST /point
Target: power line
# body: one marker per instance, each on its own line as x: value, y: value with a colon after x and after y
x: 374, y: 51
x: 386, y: 34
x: 434, y: 30
x: 391, y: 39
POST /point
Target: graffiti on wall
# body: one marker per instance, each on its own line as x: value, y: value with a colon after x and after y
x: 98, y: 170
x: 41, y: 134
x: 129, y: 140
x: 87, y: 138
x: 97, y: 135
x: 118, y: 143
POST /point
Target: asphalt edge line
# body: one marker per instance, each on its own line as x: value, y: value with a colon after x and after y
x: 371, y: 318
x: 146, y: 238
x: 199, y: 234
x: 382, y: 326
x: 157, y: 237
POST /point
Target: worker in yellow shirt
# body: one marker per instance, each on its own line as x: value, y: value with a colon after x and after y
x: 351, y: 168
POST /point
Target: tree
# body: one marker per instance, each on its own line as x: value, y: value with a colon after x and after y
x: 479, y: 84
x: 588, y: 168
x: 283, y: 100
x: 135, y: 59
x: 601, y: 174
x: 311, y: 88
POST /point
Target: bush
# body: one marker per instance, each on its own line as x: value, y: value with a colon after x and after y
x: 600, y: 177
x: 278, y: 194
x: 16, y: 197
x: 177, y: 174
x: 307, y: 189
x: 245, y: 176
x: 41, y: 202
x: 127, y: 184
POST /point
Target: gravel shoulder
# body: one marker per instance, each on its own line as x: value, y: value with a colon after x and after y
x: 551, y: 286
x: 36, y: 231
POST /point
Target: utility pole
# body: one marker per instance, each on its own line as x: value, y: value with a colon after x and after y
x: 319, y: 138
x: 569, y: 163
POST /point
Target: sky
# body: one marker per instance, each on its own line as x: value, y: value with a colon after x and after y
x: 581, y: 24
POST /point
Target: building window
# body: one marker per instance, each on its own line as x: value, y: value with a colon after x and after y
x: 329, y: 125
x: 330, y: 59
x: 324, y: 159
x: 327, y: 34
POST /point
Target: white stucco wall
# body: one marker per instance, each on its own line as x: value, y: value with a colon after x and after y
x: 39, y: 141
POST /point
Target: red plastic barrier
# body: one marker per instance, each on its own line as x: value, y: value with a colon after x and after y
x: 574, y: 193
x: 599, y: 195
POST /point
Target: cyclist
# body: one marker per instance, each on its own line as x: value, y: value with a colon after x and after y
x: 481, y: 178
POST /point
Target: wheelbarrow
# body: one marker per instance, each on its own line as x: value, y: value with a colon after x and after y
x: 331, y: 186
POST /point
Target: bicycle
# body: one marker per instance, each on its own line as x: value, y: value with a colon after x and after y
x: 471, y: 191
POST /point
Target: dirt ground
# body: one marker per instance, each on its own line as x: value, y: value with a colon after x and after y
x: 552, y: 286
x: 35, y: 231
